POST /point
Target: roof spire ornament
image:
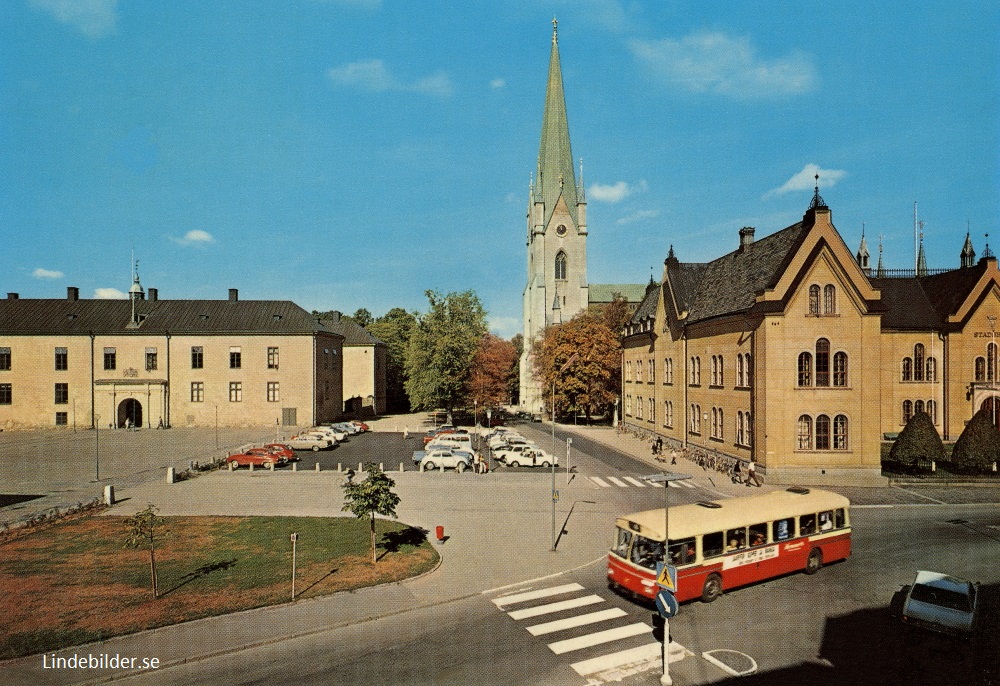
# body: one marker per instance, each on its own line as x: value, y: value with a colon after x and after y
x: 817, y: 201
x: 555, y: 30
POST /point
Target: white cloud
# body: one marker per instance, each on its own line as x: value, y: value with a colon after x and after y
x: 806, y: 180
x: 638, y: 216
x: 505, y: 327
x: 498, y: 83
x: 713, y: 62
x: 109, y: 294
x: 46, y: 274
x: 615, y: 192
x: 94, y: 18
x: 194, y: 237
x: 373, y: 75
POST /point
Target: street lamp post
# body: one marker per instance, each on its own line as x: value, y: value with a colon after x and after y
x: 97, y: 445
x: 563, y: 368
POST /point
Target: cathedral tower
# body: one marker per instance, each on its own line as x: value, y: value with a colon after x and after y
x: 556, y: 287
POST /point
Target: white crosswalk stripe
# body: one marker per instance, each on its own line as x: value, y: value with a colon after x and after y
x: 629, y: 482
x: 574, y: 622
x: 588, y: 640
x: 648, y: 652
x: 599, y: 481
x: 636, y: 482
x: 556, y: 607
x: 617, y: 482
x: 535, y: 595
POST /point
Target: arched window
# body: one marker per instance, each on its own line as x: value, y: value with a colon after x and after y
x: 668, y: 413
x: 715, y: 370
x: 638, y: 407
x: 805, y: 369
x: 918, y: 362
x: 740, y: 378
x: 814, y: 300
x: 722, y: 371
x: 840, y: 369
x: 918, y: 407
x: 931, y: 374
x: 697, y: 371
x: 560, y: 266
x: 715, y: 422
x: 628, y: 404
x: 980, y: 369
x: 652, y: 410
x: 907, y: 369
x: 748, y: 433
x: 907, y: 410
x: 840, y: 432
x: 749, y: 370
x: 822, y: 432
x: 652, y: 371
x: 829, y: 299
x: 823, y: 362
x: 991, y: 361
x: 932, y: 411
x: 805, y: 432
x: 739, y: 428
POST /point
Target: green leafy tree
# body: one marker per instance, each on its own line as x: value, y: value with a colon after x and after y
x: 441, y: 350
x: 394, y: 329
x: 141, y: 530
x: 917, y: 444
x: 362, y: 317
x: 583, y: 357
x: 979, y: 445
x: 371, y: 497
x: 489, y: 382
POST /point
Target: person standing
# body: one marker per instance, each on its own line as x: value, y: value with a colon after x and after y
x: 752, y: 474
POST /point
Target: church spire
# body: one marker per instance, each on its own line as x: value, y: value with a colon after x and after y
x: 863, y: 256
x: 968, y: 254
x: 555, y: 157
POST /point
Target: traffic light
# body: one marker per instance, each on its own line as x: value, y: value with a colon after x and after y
x: 658, y: 626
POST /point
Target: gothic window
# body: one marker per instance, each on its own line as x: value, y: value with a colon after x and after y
x: 907, y: 410
x: 739, y: 428
x: 805, y: 369
x: 722, y: 371
x: 561, y: 266
x: 697, y: 371
x: 829, y: 299
x: 668, y: 413
x: 840, y: 369
x: 931, y: 374
x: 721, y: 425
x: 814, y: 300
x: 918, y: 362
x: 823, y: 362
x: 840, y: 432
x: 749, y: 370
x: 715, y: 371
x: 740, y: 378
x: 822, y: 432
x: 652, y: 371
x: 907, y: 369
x: 805, y: 431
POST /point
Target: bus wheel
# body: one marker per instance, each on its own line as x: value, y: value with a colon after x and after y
x: 712, y: 588
x: 815, y: 561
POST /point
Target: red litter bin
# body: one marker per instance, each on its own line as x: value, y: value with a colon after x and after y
x: 439, y: 533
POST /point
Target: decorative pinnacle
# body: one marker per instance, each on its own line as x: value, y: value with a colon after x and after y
x: 555, y: 30
x: 817, y: 201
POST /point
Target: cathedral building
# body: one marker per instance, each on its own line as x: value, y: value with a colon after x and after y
x: 793, y: 352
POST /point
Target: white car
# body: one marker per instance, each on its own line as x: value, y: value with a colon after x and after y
x: 942, y: 603
x: 460, y: 441
x: 528, y: 457
x: 506, y: 439
x: 337, y: 435
x: 309, y: 441
x: 458, y: 460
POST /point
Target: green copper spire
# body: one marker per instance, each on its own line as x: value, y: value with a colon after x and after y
x: 555, y: 157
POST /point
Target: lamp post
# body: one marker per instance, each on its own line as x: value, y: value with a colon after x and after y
x: 563, y: 368
x: 97, y: 445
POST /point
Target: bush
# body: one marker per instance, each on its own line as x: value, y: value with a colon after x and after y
x: 979, y: 445
x: 917, y: 444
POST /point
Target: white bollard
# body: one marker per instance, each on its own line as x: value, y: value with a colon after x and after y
x: 109, y: 495
x: 251, y: 467
x: 295, y: 466
x: 171, y: 476
x: 400, y: 466
x: 270, y: 466
x: 442, y: 467
x: 381, y: 466
x: 317, y: 466
x: 340, y: 468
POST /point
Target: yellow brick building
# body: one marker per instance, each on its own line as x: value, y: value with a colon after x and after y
x: 160, y: 363
x: 792, y: 352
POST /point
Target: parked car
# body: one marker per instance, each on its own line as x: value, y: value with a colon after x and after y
x: 530, y: 457
x: 345, y: 428
x: 310, y: 441
x: 258, y: 457
x: 462, y: 441
x: 506, y: 439
x: 943, y: 603
x: 283, y: 450
x: 337, y: 435
x: 361, y: 425
x: 450, y: 459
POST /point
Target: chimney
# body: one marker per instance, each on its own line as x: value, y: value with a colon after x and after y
x: 746, y: 237
x: 234, y: 295
x: 12, y: 296
x: 335, y: 316
x: 152, y: 294
x: 72, y: 293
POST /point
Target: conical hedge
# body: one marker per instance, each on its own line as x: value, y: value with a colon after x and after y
x: 979, y: 445
x: 917, y: 444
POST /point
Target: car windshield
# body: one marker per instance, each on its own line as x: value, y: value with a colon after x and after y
x: 942, y: 597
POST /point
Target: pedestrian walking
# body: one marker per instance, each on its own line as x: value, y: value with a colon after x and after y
x: 673, y: 457
x: 659, y: 445
x: 350, y: 475
x: 752, y: 474
x: 406, y: 432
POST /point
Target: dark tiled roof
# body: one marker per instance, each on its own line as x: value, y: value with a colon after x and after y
x: 647, y: 308
x: 80, y: 317
x: 605, y: 292
x: 353, y: 333
x: 926, y: 302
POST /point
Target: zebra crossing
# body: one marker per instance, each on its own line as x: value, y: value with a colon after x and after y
x: 572, y: 618
x: 632, y: 482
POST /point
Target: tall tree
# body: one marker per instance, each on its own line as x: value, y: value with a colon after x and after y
x: 978, y: 448
x: 394, y: 329
x: 616, y: 313
x: 362, y: 317
x: 439, y: 357
x: 371, y: 497
x: 489, y: 382
x: 583, y: 357
x: 141, y: 530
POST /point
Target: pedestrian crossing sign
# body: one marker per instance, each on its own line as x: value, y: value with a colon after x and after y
x: 666, y: 577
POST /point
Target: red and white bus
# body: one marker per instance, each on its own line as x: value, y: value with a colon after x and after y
x: 724, y: 544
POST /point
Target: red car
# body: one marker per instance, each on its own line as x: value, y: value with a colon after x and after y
x: 361, y: 425
x: 258, y: 457
x: 282, y: 450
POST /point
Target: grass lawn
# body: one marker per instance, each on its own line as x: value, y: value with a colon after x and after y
x: 74, y: 582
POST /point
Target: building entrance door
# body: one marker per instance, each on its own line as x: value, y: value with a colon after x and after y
x: 129, y: 413
x: 992, y: 405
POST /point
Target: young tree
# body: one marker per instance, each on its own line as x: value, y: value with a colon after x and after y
x: 979, y: 445
x: 917, y: 444
x: 489, y: 382
x: 141, y: 529
x: 371, y: 497
x: 589, y: 382
x: 439, y: 357
x: 394, y: 329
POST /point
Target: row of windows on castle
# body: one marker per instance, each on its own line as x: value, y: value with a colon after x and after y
x: 61, y: 361
x: 61, y: 392
x: 815, y: 368
x: 743, y: 427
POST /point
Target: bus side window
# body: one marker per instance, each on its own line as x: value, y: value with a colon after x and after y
x: 736, y: 539
x: 807, y: 524
x: 621, y: 543
x: 784, y: 529
x: 682, y: 551
x: 826, y: 520
x: 839, y: 521
x: 758, y: 534
x: 712, y: 544
x: 646, y: 552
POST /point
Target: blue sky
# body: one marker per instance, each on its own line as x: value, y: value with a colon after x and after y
x: 355, y: 153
